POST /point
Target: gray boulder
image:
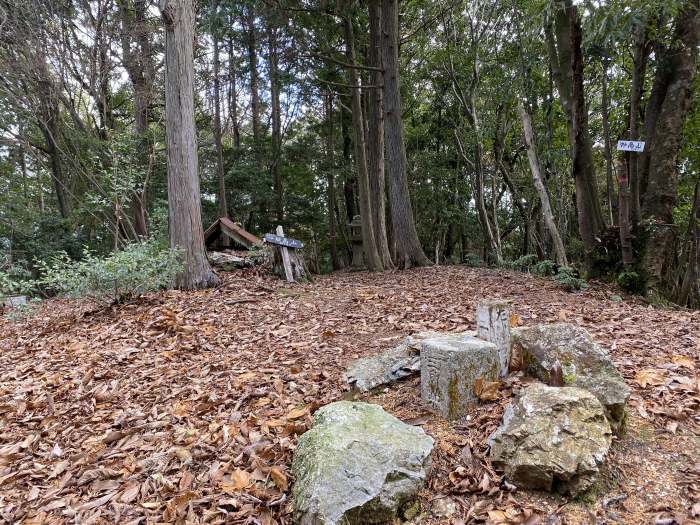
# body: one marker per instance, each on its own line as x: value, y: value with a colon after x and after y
x: 451, y: 364
x: 386, y: 367
x: 356, y: 465
x: 570, y: 351
x: 552, y: 439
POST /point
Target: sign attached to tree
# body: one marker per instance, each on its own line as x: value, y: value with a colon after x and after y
x: 630, y: 145
x: 271, y: 238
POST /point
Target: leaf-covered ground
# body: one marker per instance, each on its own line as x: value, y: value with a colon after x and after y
x: 186, y: 407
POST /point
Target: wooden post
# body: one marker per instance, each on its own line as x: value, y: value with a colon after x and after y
x: 624, y: 207
x: 285, y: 258
x: 493, y: 325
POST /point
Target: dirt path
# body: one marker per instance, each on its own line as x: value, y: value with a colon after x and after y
x: 185, y: 407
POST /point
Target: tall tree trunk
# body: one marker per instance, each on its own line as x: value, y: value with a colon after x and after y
x: 641, y: 57
x: 408, y: 248
x: 233, y: 96
x: 330, y: 181
x: 375, y: 136
x: 369, y: 244
x: 137, y: 52
x: 566, y: 58
x: 184, y: 203
x: 692, y: 270
x: 254, y: 92
x: 605, y: 102
x: 668, y: 106
x: 276, y: 122
x: 221, y: 197
x: 551, y: 225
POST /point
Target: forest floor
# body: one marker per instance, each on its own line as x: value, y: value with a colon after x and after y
x: 185, y: 407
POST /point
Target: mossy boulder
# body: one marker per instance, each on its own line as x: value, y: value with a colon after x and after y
x: 552, y: 438
x: 357, y: 465
x: 582, y: 362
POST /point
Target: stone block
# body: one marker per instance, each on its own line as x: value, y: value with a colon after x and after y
x: 450, y: 366
x: 493, y: 325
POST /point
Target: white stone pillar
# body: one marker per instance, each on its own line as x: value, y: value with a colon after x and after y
x: 493, y: 325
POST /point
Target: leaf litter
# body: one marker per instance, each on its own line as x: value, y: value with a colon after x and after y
x: 185, y: 407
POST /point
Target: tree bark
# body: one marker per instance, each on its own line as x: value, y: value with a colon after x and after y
x: 605, y: 103
x: 185, y: 219
x: 375, y: 136
x: 330, y: 181
x: 369, y: 244
x: 254, y: 92
x: 566, y: 58
x: 551, y: 225
x: 233, y: 96
x: 276, y: 122
x: 221, y: 197
x: 668, y: 106
x: 408, y: 248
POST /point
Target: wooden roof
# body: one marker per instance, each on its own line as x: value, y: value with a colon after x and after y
x: 227, y: 227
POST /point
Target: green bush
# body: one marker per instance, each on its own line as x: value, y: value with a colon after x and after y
x: 472, y: 260
x: 631, y: 282
x: 15, y: 280
x: 569, y: 279
x: 122, y: 275
x: 523, y: 263
x: 545, y: 268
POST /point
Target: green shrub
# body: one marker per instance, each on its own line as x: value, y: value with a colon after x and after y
x: 569, y: 279
x: 523, y: 263
x: 15, y: 280
x: 631, y: 282
x: 122, y: 275
x: 472, y: 260
x: 545, y: 268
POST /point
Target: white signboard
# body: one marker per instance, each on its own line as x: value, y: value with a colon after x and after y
x: 630, y: 145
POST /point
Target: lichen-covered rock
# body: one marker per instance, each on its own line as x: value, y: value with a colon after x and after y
x: 552, y: 439
x: 357, y: 464
x: 367, y: 373
x: 451, y: 364
x: 582, y: 362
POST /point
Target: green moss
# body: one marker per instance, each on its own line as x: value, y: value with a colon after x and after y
x: 453, y: 397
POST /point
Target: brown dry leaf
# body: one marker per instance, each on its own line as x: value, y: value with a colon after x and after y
x: 298, y: 412
x: 280, y: 478
x: 486, y: 390
x: 240, y: 479
x: 650, y: 376
x: 683, y: 360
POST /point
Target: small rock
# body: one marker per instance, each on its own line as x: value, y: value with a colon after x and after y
x: 370, y: 372
x: 357, y: 464
x: 552, y: 438
x: 450, y: 366
x: 444, y: 507
x: 547, y: 349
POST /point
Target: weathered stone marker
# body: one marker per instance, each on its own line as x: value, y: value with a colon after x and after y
x: 450, y: 366
x: 493, y: 325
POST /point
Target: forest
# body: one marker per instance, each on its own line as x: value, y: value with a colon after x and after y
x: 472, y: 132
x: 351, y: 262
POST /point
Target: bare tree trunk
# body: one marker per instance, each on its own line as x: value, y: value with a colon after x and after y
x: 375, y: 136
x: 369, y: 245
x: 641, y: 57
x: 566, y: 58
x: 276, y: 122
x: 551, y: 225
x: 137, y: 52
x: 668, y: 106
x: 233, y: 95
x: 408, y: 248
x: 221, y: 197
x: 605, y: 102
x: 254, y: 93
x: 690, y: 278
x: 185, y: 219
x: 330, y: 181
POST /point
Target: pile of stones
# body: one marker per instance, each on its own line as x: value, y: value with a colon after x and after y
x: 359, y: 464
